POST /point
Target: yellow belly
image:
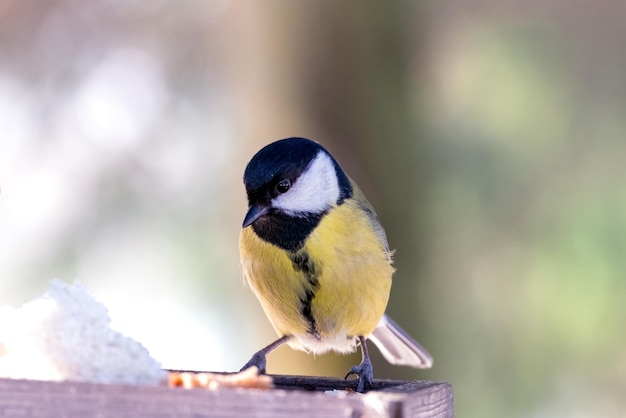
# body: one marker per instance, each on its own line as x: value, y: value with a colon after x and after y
x: 352, y: 273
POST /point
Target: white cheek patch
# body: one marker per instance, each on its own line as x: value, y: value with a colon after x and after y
x: 315, y: 191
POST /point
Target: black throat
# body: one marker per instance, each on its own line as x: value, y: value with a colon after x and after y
x: 284, y: 231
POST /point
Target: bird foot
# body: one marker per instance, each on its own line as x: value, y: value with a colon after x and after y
x: 365, y: 373
x: 259, y: 360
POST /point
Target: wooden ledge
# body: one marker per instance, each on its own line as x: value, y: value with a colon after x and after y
x: 294, y: 396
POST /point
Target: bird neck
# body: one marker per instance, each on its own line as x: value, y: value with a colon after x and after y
x: 285, y: 231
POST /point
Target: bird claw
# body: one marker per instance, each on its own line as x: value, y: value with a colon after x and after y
x: 258, y: 360
x: 365, y: 373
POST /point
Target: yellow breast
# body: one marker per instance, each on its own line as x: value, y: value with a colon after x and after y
x: 335, y: 288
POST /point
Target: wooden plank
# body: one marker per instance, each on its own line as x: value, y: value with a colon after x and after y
x: 294, y: 396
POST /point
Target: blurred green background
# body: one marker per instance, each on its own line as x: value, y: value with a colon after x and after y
x: 489, y: 135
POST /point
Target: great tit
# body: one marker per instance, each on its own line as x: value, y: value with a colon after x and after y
x: 316, y: 257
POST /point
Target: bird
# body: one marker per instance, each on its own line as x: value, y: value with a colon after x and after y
x: 315, y: 255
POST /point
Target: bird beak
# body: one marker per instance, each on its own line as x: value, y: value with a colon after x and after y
x: 254, y: 213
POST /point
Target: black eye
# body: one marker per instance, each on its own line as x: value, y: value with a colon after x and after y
x: 282, y: 186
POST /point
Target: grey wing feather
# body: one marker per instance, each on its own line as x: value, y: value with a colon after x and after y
x: 398, y: 347
x: 373, y: 218
x: 378, y: 229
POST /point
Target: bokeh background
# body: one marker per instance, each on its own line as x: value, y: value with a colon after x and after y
x: 490, y: 136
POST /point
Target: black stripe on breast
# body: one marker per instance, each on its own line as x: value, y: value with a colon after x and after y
x: 303, y: 263
x: 305, y: 310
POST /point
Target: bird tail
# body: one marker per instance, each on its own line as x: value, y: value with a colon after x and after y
x: 398, y: 347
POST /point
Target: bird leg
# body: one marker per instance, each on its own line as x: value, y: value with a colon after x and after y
x: 259, y: 358
x: 364, y: 371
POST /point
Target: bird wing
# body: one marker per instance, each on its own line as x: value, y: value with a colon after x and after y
x: 398, y: 347
x: 373, y: 218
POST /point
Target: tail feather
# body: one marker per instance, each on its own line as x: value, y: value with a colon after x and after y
x: 398, y: 347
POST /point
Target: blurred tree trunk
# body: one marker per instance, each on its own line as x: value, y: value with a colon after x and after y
x: 357, y: 86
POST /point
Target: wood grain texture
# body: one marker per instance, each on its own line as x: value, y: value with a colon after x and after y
x: 294, y: 396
